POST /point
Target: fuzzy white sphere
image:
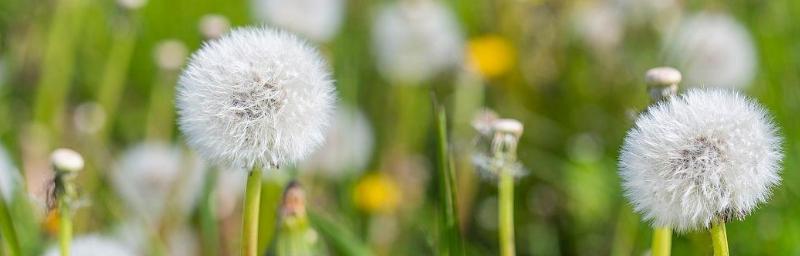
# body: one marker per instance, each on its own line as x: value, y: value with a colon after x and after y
x: 66, y: 160
x: 154, y: 178
x: 348, y: 147
x: 255, y: 96
x: 94, y: 245
x: 317, y: 20
x: 416, y: 40
x: 710, y: 153
x: 713, y: 50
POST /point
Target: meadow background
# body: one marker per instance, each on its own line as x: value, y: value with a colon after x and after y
x: 574, y: 80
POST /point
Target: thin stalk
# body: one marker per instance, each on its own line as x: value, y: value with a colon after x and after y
x: 450, y: 240
x: 271, y: 194
x: 506, y: 215
x: 662, y: 241
x: 719, y: 238
x: 208, y: 221
x: 9, y: 234
x: 64, y: 226
x: 252, y: 199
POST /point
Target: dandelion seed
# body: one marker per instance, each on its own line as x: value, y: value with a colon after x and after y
x: 713, y: 50
x: 709, y: 154
x: 416, y: 40
x: 255, y: 97
x: 318, y: 20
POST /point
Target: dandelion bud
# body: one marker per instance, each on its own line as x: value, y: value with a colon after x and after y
x: 213, y: 26
x: 170, y: 54
x: 662, y: 82
x: 255, y: 96
x: 706, y: 155
x: 66, y: 160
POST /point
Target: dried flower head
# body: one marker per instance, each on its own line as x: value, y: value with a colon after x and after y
x: 94, y: 245
x: 170, y: 54
x: 496, y: 149
x: 255, y: 96
x: 317, y: 20
x: 66, y: 160
x: 348, y: 146
x: 704, y: 155
x: 155, y: 178
x: 713, y: 50
x: 416, y: 40
x: 213, y: 26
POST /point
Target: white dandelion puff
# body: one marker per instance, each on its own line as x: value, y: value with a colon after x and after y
x: 255, y: 96
x: 416, y: 40
x: 154, y: 178
x: 348, y: 146
x: 710, y: 153
x: 213, y: 26
x: 94, y: 245
x: 317, y: 20
x: 712, y: 50
x: 599, y: 26
x: 66, y: 160
x: 89, y: 117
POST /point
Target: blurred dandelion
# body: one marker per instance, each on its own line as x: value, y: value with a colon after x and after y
x: 317, y: 20
x: 712, y: 50
x: 66, y: 165
x: 89, y: 117
x: 348, y: 146
x: 95, y: 245
x: 213, y: 26
x: 599, y: 26
x: 490, y: 55
x: 131, y: 5
x: 416, y: 40
x: 376, y: 193
x: 170, y: 54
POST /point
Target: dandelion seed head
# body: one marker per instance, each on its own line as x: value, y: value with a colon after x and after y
x: 348, y: 146
x: 416, y: 40
x: 712, y: 50
x: 255, y: 96
x: 710, y: 153
x: 317, y: 20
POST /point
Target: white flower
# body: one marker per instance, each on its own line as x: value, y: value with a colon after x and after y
x: 66, y: 160
x: 348, y: 147
x: 416, y: 40
x: 318, y: 20
x: 213, y: 26
x: 712, y: 50
x: 10, y: 178
x: 704, y: 155
x: 255, y: 96
x: 94, y: 245
x: 154, y: 178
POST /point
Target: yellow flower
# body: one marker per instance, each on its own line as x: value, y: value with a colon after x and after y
x: 490, y: 55
x: 376, y: 193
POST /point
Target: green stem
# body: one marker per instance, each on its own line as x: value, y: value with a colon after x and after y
x: 719, y: 238
x: 506, y: 215
x: 662, y: 241
x: 64, y: 226
x: 252, y: 199
x: 9, y: 235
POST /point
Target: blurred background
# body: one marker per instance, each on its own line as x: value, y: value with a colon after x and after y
x: 99, y: 77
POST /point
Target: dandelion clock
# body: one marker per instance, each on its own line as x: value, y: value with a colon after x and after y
x: 256, y: 98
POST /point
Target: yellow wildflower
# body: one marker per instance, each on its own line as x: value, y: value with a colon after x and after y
x: 376, y: 193
x: 490, y: 55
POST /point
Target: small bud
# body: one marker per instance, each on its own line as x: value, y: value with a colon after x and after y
x: 662, y: 82
x: 66, y: 160
x: 508, y: 126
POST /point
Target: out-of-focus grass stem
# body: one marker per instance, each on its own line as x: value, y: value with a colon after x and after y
x: 161, y: 115
x: 116, y: 70
x: 9, y: 234
x: 450, y: 242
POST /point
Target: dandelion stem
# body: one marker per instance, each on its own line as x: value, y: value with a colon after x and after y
x: 506, y: 215
x: 662, y: 241
x: 9, y: 235
x: 719, y: 238
x: 64, y: 226
x: 252, y: 199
